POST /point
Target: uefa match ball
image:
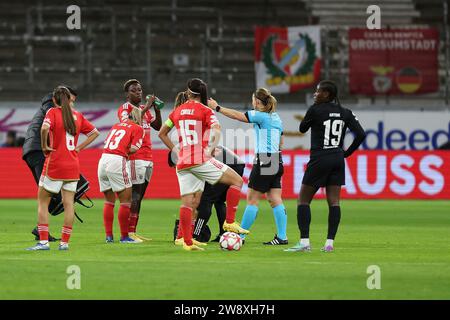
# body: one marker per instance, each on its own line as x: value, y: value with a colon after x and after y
x: 230, y: 241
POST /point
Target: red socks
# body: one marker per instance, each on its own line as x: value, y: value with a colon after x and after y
x: 43, y: 232
x: 124, y: 218
x: 108, y: 218
x: 66, y: 232
x: 186, y: 224
x: 233, y: 195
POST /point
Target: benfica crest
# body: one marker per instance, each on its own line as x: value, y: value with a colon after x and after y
x: 289, y: 61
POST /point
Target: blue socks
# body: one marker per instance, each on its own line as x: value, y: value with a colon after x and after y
x: 279, y: 213
x: 249, y: 217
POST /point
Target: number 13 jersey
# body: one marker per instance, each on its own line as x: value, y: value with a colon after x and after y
x: 328, y: 123
x: 122, y: 137
x: 193, y: 121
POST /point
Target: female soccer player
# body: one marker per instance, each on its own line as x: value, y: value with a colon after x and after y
x: 125, y: 138
x: 141, y: 162
x: 328, y: 121
x: 195, y: 123
x: 267, y: 171
x: 59, y: 138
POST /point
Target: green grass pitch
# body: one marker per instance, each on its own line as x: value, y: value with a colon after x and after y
x: 408, y: 240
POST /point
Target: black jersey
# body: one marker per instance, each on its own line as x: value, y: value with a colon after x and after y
x: 328, y: 123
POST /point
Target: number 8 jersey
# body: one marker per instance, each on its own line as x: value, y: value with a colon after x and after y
x: 63, y: 164
x: 328, y: 123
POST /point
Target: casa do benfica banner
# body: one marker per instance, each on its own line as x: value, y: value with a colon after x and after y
x: 369, y: 175
x: 395, y: 61
x: 287, y: 59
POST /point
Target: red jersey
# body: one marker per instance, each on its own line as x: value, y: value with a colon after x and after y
x: 63, y: 164
x: 145, y: 152
x: 193, y: 121
x: 122, y: 137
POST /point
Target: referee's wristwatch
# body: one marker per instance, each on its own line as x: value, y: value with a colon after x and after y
x: 218, y: 108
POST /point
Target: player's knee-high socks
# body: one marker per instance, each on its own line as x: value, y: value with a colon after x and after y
x: 108, y: 218
x: 334, y: 217
x: 186, y: 224
x: 233, y: 195
x: 65, y: 234
x: 304, y: 220
x: 124, y: 218
x: 137, y: 196
x: 249, y: 218
x: 279, y: 213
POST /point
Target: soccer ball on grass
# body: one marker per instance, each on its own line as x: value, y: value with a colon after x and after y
x: 230, y: 241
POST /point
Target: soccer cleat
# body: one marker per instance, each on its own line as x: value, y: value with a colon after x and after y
x: 63, y: 246
x: 35, y: 232
x: 135, y: 237
x: 109, y: 239
x: 299, y: 247
x: 39, y: 246
x: 180, y: 241
x: 127, y: 240
x: 276, y: 242
x: 192, y: 247
x: 234, y: 227
x: 327, y: 249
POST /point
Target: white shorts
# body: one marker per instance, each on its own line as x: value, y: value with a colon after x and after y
x: 193, y: 179
x: 113, y: 173
x: 54, y: 186
x: 141, y: 171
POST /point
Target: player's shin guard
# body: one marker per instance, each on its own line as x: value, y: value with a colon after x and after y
x: 233, y: 195
x: 108, y: 218
x: 186, y: 224
x: 124, y: 218
x: 249, y: 217
x: 334, y: 217
x: 65, y: 234
x: 304, y: 220
x: 279, y: 213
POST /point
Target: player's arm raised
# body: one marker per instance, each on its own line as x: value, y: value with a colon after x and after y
x: 230, y: 113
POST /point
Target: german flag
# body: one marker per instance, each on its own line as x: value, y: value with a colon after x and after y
x: 408, y: 80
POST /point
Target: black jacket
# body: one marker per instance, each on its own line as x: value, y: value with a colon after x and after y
x: 33, y: 135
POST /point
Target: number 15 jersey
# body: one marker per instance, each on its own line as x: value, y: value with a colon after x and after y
x: 193, y: 121
x: 328, y: 123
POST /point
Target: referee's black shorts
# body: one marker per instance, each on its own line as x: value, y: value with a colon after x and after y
x: 266, y: 173
x: 325, y: 170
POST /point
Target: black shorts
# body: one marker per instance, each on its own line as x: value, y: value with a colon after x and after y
x: 265, y: 176
x: 325, y: 170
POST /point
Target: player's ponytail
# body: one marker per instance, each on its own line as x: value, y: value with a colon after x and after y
x: 61, y: 96
x: 268, y: 100
x: 181, y: 98
x: 136, y: 116
x: 197, y: 88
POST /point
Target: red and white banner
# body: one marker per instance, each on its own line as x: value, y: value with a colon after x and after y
x: 287, y: 59
x: 395, y: 61
x: 369, y: 175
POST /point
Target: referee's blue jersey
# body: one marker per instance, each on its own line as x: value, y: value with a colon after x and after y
x: 268, y: 130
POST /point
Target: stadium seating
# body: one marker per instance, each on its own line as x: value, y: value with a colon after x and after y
x: 122, y: 39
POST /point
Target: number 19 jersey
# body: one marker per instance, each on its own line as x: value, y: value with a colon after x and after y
x: 328, y: 123
x: 193, y: 121
x: 122, y: 137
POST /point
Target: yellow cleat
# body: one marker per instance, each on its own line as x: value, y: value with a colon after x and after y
x: 192, y: 247
x: 234, y: 227
x: 180, y: 241
x: 135, y: 237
